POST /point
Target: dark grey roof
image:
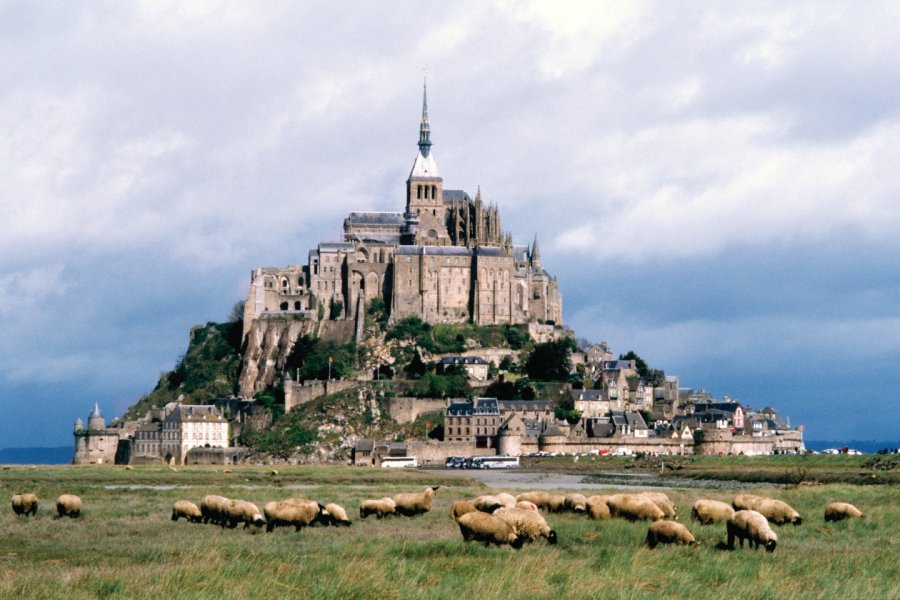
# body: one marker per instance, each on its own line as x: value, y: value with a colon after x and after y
x: 460, y: 409
x: 488, y: 251
x: 520, y: 253
x: 375, y: 218
x: 365, y: 445
x: 456, y: 196
x: 524, y: 405
x: 635, y: 419
x: 586, y: 394
x: 372, y: 237
x: 434, y: 250
x: 486, y: 406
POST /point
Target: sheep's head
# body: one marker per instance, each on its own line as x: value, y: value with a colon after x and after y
x: 551, y: 537
x: 796, y: 520
x: 516, y: 541
x: 770, y: 546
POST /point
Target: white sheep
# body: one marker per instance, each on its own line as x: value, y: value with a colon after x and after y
x: 775, y: 511
x: 381, y: 508
x: 187, y: 510
x: 710, y: 511
x: 663, y: 502
x: 242, y: 511
x: 752, y: 526
x: 334, y: 514
x: 527, y: 524
x: 213, y: 509
x: 633, y: 507
x: 597, y: 507
x: 669, y: 532
x: 488, y: 528
x: 25, y: 504
x: 838, y: 511
x: 412, y: 504
x: 461, y: 507
x: 487, y: 503
x: 290, y: 513
x: 68, y: 505
x: 539, y: 498
x: 575, y: 502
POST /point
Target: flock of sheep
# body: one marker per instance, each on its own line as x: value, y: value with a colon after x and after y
x: 499, y: 519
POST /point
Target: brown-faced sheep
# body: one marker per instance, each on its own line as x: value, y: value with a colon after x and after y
x: 527, y: 524
x: 68, y: 505
x: 461, y: 507
x: 213, y: 508
x: 335, y: 515
x: 775, y: 511
x: 487, y: 528
x: 187, y: 510
x: 663, y: 503
x: 539, y: 498
x: 556, y: 503
x: 381, y: 508
x: 710, y: 511
x: 25, y: 504
x: 838, y: 511
x: 241, y: 511
x: 753, y: 526
x: 633, y: 508
x: 669, y: 532
x: 412, y: 504
x: 287, y: 513
x: 597, y: 507
x: 576, y: 503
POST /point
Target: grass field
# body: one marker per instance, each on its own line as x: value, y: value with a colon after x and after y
x: 125, y: 545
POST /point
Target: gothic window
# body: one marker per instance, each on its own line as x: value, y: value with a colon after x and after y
x: 284, y: 306
x: 419, y: 191
x: 297, y: 306
x: 433, y: 192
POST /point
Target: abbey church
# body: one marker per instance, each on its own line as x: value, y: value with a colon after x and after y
x: 444, y: 259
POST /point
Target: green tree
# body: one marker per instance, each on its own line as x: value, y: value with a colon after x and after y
x: 551, y: 361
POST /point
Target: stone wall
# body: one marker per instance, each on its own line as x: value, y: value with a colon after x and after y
x: 407, y: 410
x: 214, y: 456
x: 301, y: 393
x: 434, y: 453
x: 721, y: 442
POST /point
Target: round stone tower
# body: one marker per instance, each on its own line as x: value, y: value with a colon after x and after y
x: 95, y: 419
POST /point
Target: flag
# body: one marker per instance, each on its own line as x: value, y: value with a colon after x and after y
x: 330, y: 360
x: 427, y: 424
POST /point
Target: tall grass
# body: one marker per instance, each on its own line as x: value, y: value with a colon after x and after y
x: 126, y: 546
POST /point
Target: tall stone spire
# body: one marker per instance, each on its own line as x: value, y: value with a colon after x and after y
x: 536, y: 254
x: 424, y: 125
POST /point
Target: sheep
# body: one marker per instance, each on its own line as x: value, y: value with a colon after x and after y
x: 212, y: 508
x: 507, y: 500
x: 597, y: 507
x: 753, y: 526
x: 663, y: 503
x: 412, y: 504
x: 528, y: 524
x: 487, y: 503
x: 292, y: 514
x: 526, y: 505
x: 335, y: 515
x: 575, y: 503
x: 669, y: 532
x: 25, y: 504
x: 539, y: 498
x: 710, y: 511
x: 633, y: 507
x: 487, y: 528
x: 461, y: 507
x: 776, y: 511
x: 556, y: 503
x: 836, y: 511
x: 241, y: 511
x: 188, y: 510
x: 68, y: 505
x: 381, y: 508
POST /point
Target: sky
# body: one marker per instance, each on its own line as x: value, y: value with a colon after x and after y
x: 714, y: 184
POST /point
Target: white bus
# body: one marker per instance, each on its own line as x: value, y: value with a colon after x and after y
x: 399, y: 462
x: 498, y: 462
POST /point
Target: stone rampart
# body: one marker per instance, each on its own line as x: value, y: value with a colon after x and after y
x: 301, y: 393
x: 433, y: 453
x: 407, y: 410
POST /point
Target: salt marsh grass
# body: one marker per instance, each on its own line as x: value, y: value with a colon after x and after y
x: 126, y: 546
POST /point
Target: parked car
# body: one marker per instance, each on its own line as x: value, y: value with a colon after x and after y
x: 455, y: 462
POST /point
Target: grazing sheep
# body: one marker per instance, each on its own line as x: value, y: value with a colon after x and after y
x: 487, y: 503
x: 753, y: 526
x: 380, y: 508
x: 710, y: 511
x: 461, y: 507
x: 188, y: 510
x: 663, y: 503
x: 528, y: 524
x: 540, y: 498
x: 776, y: 511
x: 669, y: 532
x: 68, y: 505
x: 412, y: 504
x: 212, y: 508
x: 487, y: 528
x: 836, y: 511
x: 335, y: 515
x: 294, y: 514
x: 575, y: 503
x: 526, y: 505
x: 25, y: 504
x: 507, y: 500
x: 556, y: 503
x: 241, y: 511
x: 633, y: 508
x: 597, y: 507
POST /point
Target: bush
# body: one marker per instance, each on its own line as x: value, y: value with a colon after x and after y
x: 551, y: 361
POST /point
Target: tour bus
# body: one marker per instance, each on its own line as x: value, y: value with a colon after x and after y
x: 399, y: 462
x: 494, y: 462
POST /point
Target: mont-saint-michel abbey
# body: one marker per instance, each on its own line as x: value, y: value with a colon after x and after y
x: 445, y: 259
